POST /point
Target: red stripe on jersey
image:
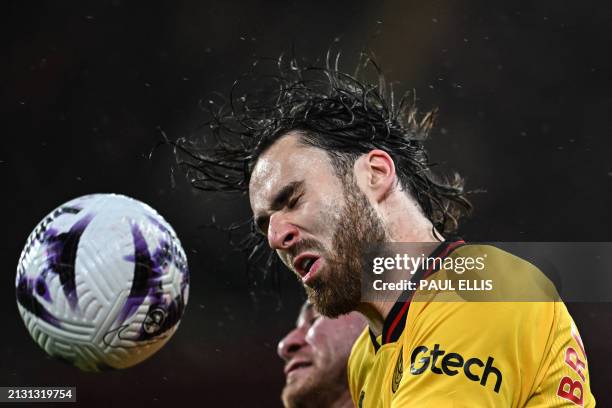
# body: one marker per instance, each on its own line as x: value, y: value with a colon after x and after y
x: 404, y: 308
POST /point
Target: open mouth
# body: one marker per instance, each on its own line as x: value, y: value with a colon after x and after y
x: 306, y: 265
x: 296, y: 365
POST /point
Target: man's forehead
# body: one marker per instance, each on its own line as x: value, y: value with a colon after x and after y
x: 286, y: 161
x: 274, y: 158
x: 267, y: 173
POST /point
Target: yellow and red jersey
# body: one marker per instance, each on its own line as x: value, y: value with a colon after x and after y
x: 458, y: 353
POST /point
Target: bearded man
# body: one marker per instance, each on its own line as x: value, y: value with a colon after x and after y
x: 333, y: 165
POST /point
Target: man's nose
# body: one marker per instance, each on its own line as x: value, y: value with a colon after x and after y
x: 281, y: 233
x: 291, y: 344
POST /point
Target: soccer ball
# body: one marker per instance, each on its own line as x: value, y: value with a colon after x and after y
x: 102, y: 282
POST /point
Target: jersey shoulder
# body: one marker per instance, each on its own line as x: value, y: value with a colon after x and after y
x: 489, y: 274
x: 360, y: 363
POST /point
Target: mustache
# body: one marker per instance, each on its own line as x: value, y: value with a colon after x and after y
x: 305, y: 245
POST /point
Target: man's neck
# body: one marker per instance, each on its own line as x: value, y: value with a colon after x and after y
x: 376, y: 312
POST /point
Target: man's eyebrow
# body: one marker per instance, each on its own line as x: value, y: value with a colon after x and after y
x: 283, y: 195
x: 279, y: 200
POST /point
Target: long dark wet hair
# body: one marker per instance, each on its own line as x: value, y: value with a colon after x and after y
x: 343, y: 114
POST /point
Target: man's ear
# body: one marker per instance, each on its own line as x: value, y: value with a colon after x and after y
x: 377, y: 173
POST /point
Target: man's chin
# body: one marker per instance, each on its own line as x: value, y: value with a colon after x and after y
x: 300, y: 375
x: 332, y: 302
x: 298, y: 388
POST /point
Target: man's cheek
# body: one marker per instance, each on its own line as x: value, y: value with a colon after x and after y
x: 326, y: 215
x: 316, y: 334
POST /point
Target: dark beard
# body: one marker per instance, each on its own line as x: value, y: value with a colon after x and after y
x: 338, y: 291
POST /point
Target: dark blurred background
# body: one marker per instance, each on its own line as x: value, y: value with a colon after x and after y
x: 87, y: 88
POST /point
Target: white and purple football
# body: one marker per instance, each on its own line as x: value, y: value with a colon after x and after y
x: 102, y: 282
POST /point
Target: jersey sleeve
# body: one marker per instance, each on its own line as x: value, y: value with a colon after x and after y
x: 564, y: 379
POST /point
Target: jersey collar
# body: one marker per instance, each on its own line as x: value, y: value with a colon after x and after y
x: 396, y: 319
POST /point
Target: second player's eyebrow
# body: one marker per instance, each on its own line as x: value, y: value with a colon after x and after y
x: 279, y: 200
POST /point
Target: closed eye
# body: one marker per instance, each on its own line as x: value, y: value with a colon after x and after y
x: 287, y: 197
x: 294, y: 201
